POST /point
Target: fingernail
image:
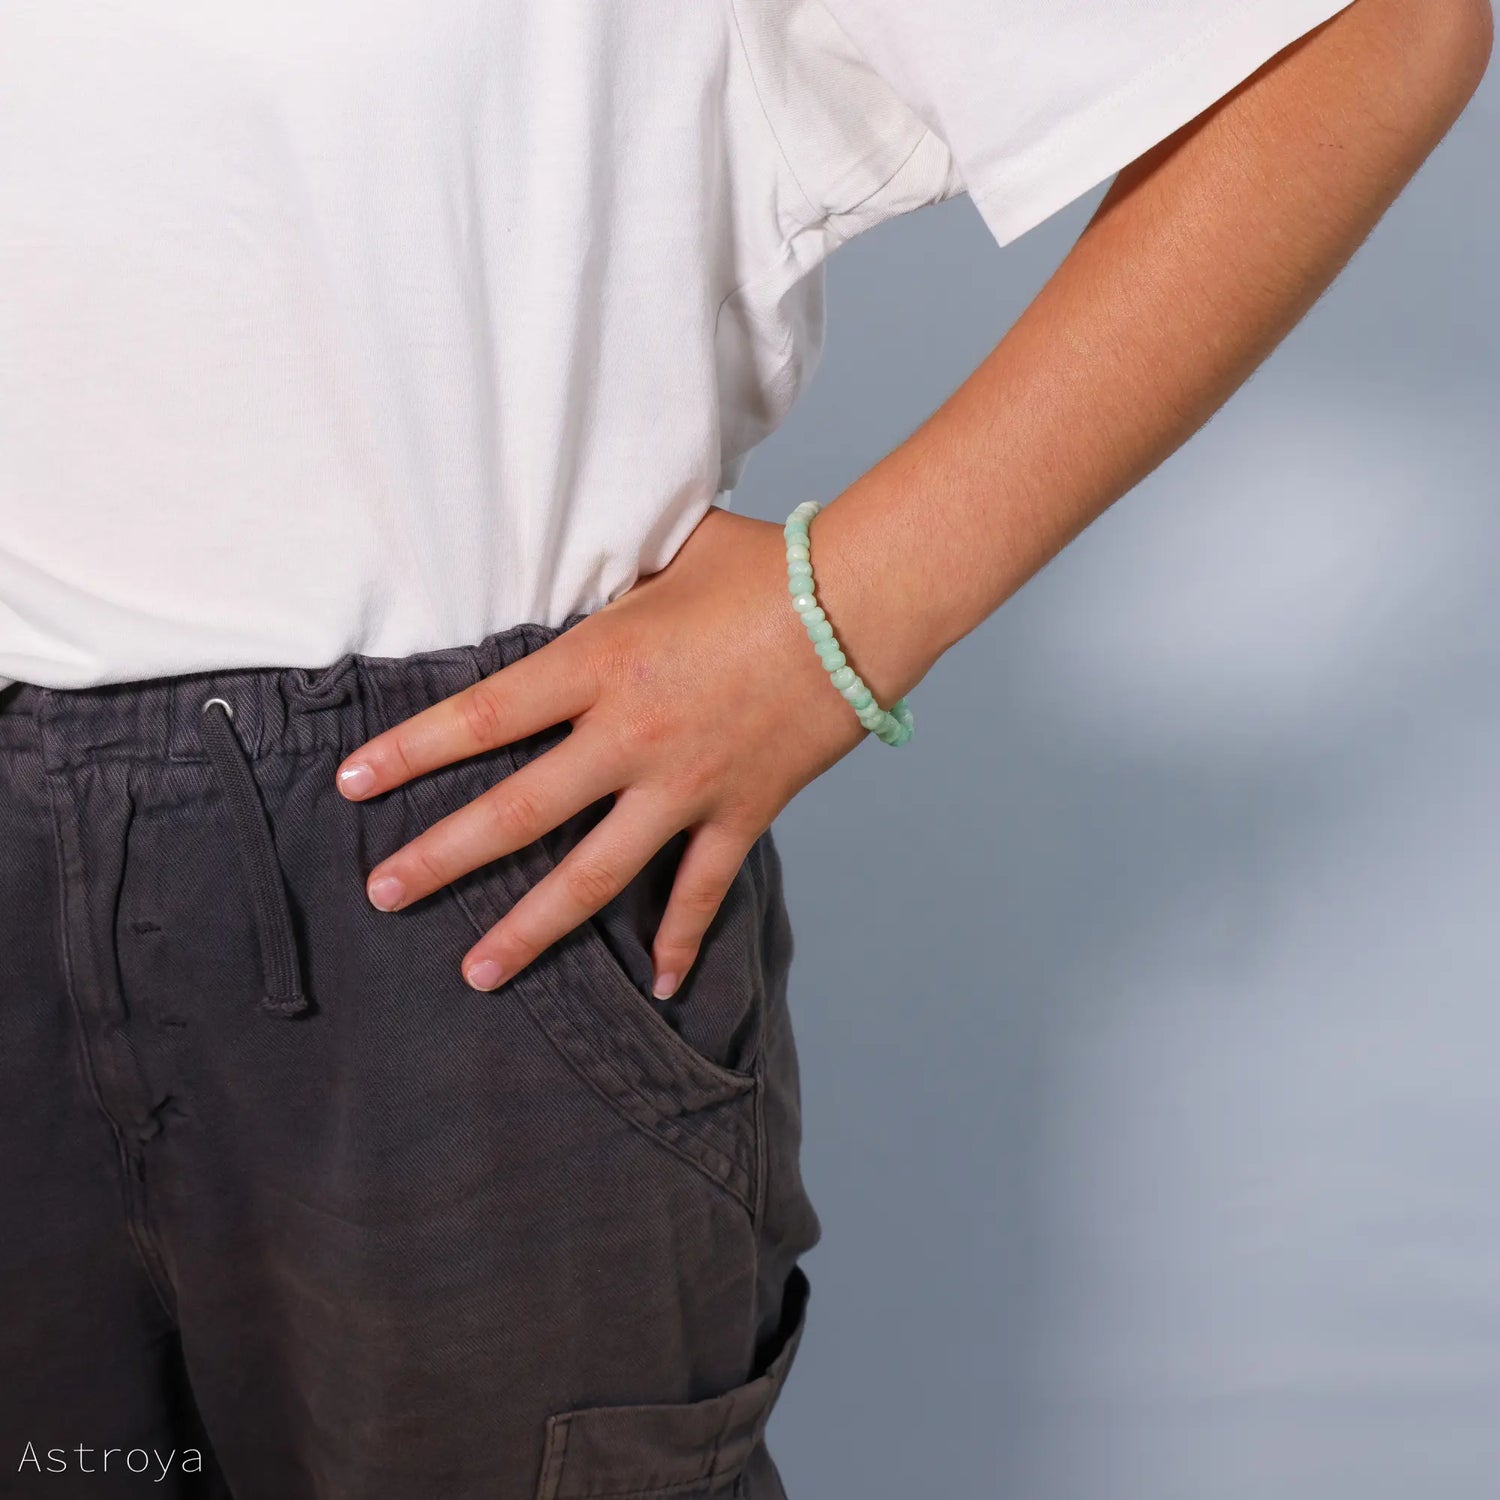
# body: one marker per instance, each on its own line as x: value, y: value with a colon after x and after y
x: 386, y: 893
x: 665, y: 986
x: 484, y: 975
x: 357, y: 780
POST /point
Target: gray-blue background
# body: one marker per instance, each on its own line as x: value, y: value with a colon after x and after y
x: 1147, y: 1002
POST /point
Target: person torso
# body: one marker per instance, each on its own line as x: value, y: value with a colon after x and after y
x: 372, y: 325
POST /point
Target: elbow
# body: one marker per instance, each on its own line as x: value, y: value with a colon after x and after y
x: 1471, y: 44
x: 1408, y: 68
x: 1446, y: 46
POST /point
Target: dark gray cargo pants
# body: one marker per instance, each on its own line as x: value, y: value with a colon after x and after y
x: 276, y: 1186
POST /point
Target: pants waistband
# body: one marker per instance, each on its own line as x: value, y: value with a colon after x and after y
x: 276, y: 710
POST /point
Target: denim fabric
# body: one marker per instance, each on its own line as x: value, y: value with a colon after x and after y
x: 397, y: 1239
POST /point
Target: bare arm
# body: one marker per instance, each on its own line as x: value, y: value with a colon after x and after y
x: 1203, y: 256
x: 695, y: 699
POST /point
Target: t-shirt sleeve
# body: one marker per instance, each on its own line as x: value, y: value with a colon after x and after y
x: 1023, y: 104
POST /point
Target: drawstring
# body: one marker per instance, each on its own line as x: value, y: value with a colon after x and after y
x: 252, y: 833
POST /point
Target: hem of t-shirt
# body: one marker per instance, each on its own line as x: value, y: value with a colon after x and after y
x: 1127, y: 123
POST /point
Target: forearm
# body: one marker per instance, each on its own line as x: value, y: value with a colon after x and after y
x: 1201, y: 258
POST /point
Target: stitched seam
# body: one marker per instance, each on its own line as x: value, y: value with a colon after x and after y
x: 627, y: 1096
x: 639, y: 1110
x: 554, y: 1459
x: 660, y: 1104
x: 760, y: 99
x: 650, y: 1035
x: 68, y: 939
x: 853, y: 208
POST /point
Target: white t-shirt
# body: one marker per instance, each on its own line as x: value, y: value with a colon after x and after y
x: 379, y: 325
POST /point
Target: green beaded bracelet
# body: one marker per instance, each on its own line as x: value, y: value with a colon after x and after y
x: 893, y: 727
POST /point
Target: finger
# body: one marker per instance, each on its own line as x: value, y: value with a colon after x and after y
x: 541, y: 689
x: 515, y: 812
x: 589, y: 876
x: 708, y: 869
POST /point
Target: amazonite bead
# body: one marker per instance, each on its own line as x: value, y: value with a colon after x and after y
x: 893, y: 727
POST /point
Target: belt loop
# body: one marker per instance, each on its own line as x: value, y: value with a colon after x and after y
x: 280, y: 966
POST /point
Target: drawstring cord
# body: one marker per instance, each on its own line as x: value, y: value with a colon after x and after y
x: 257, y: 850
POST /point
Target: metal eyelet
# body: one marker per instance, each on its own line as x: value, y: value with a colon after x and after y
x: 228, y: 708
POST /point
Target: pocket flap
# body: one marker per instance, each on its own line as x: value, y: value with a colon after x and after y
x: 655, y: 1452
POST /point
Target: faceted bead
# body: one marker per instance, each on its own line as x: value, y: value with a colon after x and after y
x: 893, y: 727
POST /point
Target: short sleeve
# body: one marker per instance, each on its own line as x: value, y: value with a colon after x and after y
x: 1023, y: 104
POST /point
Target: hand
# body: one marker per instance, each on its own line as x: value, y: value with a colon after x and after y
x: 695, y: 698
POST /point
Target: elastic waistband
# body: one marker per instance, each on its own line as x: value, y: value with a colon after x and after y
x: 277, y: 710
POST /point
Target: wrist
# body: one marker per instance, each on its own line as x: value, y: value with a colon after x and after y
x: 880, y: 610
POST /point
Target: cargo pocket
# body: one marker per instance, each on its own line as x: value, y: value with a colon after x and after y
x: 687, y: 1452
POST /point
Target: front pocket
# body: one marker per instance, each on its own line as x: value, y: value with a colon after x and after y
x: 671, y: 1452
x: 596, y: 1016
